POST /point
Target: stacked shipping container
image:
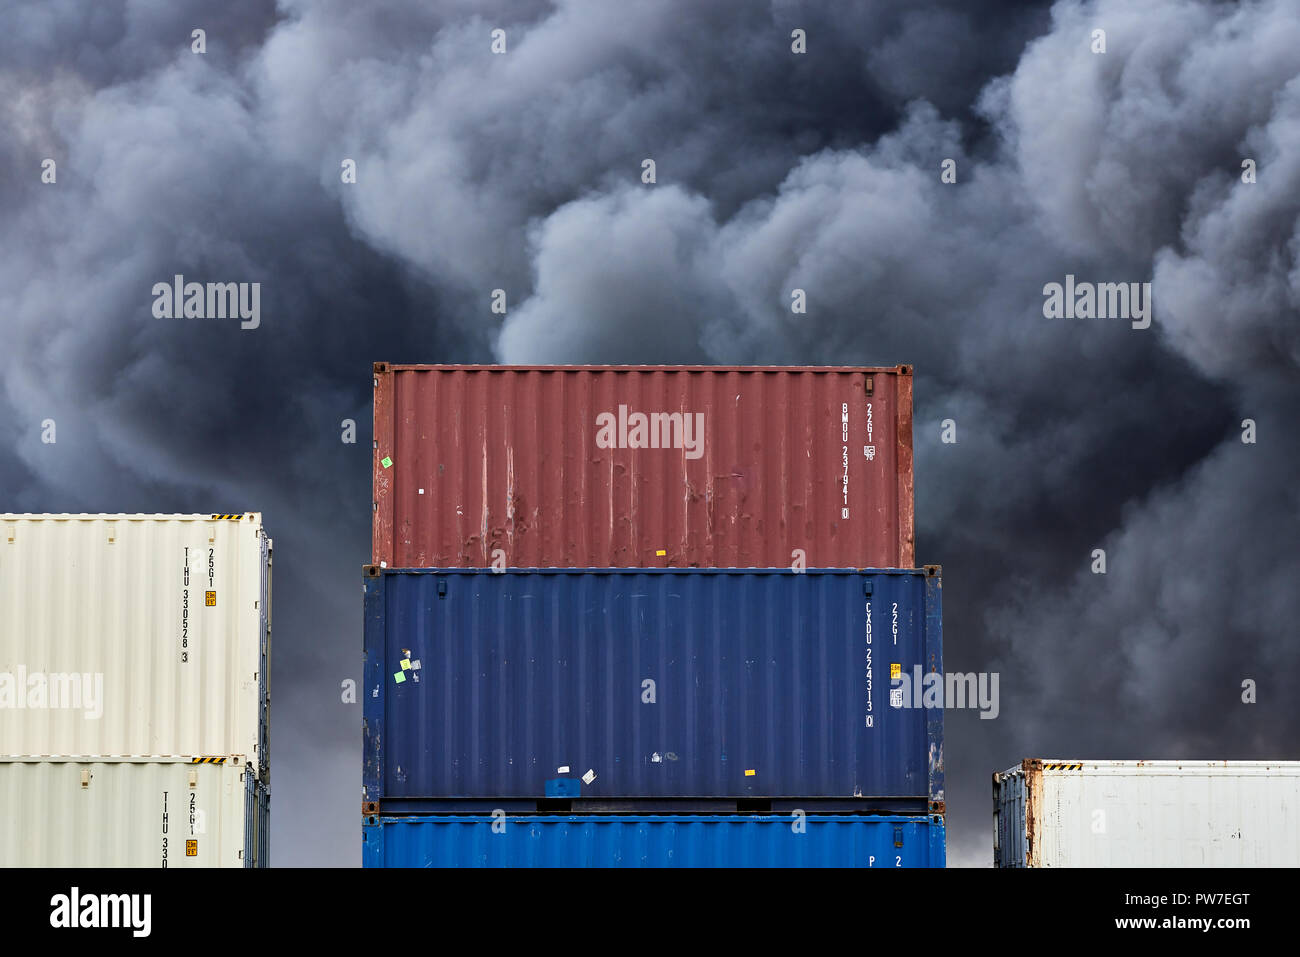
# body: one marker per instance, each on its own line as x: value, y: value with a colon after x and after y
x: 134, y: 690
x: 663, y: 840
x: 604, y: 597
x: 1072, y: 813
x: 642, y: 467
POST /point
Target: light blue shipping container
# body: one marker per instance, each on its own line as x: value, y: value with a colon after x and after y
x: 688, y: 840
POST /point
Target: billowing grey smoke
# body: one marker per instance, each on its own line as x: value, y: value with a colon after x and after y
x: 775, y: 172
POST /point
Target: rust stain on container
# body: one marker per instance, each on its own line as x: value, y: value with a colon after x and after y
x: 609, y: 466
x: 1033, y: 809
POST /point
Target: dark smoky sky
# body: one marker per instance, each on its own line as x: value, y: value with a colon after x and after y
x: 775, y: 171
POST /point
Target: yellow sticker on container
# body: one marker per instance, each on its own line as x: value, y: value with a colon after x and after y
x: 210, y: 599
x: 406, y: 664
x: 895, y: 670
x: 662, y: 552
x: 191, y: 848
x: 750, y: 774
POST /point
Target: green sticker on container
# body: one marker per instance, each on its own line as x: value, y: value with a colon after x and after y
x: 399, y: 676
x: 386, y: 462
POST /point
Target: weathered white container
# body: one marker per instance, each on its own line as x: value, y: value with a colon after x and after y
x: 1053, y: 813
x: 132, y: 813
x: 135, y: 636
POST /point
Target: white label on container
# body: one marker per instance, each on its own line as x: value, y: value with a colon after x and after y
x: 164, y: 829
x: 870, y: 716
x: 844, y: 457
x: 185, y: 611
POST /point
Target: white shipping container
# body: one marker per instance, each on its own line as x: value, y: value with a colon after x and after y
x: 1054, y: 813
x: 135, y: 636
x: 132, y: 813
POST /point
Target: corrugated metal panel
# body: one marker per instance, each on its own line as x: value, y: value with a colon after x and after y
x: 766, y: 684
x: 264, y: 834
x: 1153, y: 813
x: 486, y: 458
x: 124, y: 814
x: 614, y: 840
x: 264, y: 669
x: 148, y: 632
x: 1009, y: 819
x: 257, y: 822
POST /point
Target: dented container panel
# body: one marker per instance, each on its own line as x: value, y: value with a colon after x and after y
x: 132, y: 813
x: 558, y: 466
x: 600, y: 685
x: 135, y: 636
x: 1074, y: 813
x: 688, y: 840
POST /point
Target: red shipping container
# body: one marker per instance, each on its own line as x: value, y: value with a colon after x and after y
x: 642, y: 466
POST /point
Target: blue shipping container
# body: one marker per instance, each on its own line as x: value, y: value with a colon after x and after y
x: 690, y: 840
x: 623, y: 689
